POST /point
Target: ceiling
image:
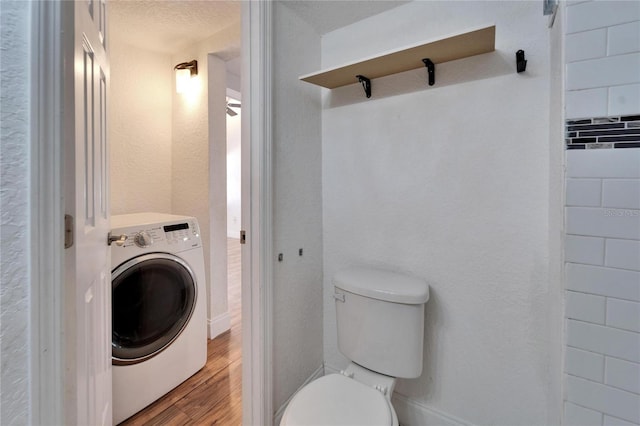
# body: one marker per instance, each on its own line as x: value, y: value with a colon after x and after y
x: 168, y: 26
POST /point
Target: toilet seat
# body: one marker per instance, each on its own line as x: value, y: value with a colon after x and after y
x: 338, y: 400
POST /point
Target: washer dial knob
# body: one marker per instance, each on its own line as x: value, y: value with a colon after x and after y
x: 143, y: 239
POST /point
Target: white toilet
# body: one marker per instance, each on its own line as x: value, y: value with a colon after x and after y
x: 380, y: 319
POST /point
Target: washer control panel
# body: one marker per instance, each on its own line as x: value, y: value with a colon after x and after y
x: 173, y: 236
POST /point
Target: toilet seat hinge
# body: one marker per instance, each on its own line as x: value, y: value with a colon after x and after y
x: 347, y: 374
x: 382, y: 389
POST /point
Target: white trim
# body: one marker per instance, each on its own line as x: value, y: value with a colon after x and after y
x: 319, y: 372
x: 218, y: 325
x: 46, y: 231
x: 257, y: 317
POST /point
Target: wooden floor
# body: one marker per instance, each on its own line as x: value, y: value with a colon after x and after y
x: 213, y: 395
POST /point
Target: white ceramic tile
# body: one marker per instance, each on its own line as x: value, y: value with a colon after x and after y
x: 604, y: 163
x: 604, y: 281
x: 613, y: 421
x: 604, y: 340
x: 623, y: 374
x: 623, y: 254
x: 624, y: 100
x: 586, y: 103
x: 575, y: 415
x: 585, y: 307
x: 603, y: 398
x: 609, y: 71
x: 623, y: 38
x: 586, y: 45
x: 598, y: 14
x: 603, y: 222
x: 623, y: 314
x: 621, y: 193
x: 579, y: 249
x: 584, y: 364
x: 584, y: 192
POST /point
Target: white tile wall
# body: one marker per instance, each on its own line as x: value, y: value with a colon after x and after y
x: 623, y: 374
x: 585, y: 307
x: 603, y: 281
x: 623, y: 100
x: 585, y: 364
x: 584, y: 192
x: 579, y: 249
x: 575, y: 415
x: 602, y: 61
x: 621, y: 39
x: 604, y: 340
x: 623, y: 194
x: 623, y: 254
x: 613, y: 421
x: 606, y: 399
x: 623, y: 314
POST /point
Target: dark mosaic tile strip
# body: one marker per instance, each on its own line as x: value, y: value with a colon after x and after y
x: 627, y: 145
x: 603, y: 132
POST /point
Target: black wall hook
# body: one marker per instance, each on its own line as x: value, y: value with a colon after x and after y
x: 521, y: 62
x: 366, y: 84
x: 431, y: 69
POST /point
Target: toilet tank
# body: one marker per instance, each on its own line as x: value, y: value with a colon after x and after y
x: 380, y: 320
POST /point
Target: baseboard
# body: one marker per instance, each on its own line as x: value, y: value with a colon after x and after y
x: 218, y: 325
x: 413, y: 413
x: 319, y: 372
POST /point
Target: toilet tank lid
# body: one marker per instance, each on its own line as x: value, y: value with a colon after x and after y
x: 383, y: 285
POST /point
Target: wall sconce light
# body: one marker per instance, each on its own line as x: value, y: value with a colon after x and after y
x: 184, y: 72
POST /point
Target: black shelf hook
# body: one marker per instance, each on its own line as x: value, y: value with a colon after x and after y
x: 521, y: 62
x: 366, y: 84
x: 431, y: 69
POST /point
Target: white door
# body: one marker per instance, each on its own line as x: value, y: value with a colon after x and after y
x: 88, y: 263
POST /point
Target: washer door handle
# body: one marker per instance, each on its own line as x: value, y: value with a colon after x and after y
x: 118, y: 239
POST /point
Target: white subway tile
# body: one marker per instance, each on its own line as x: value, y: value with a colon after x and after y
x: 592, y: 15
x: 603, y: 222
x: 613, y: 421
x: 623, y: 39
x: 575, y: 415
x: 584, y: 192
x: 584, y: 364
x: 586, y: 45
x: 584, y: 249
x: 586, y: 103
x: 585, y: 307
x: 609, y: 71
x: 604, y: 340
x: 621, y: 193
x: 604, y: 163
x: 623, y: 374
x: 604, y: 281
x: 623, y: 314
x: 603, y: 398
x: 623, y: 254
x: 624, y: 100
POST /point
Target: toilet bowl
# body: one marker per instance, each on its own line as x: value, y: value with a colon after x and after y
x: 380, y: 324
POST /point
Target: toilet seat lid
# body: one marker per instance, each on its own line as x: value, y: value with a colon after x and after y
x: 337, y: 400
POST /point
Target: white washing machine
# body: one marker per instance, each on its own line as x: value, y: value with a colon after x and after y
x: 159, y: 336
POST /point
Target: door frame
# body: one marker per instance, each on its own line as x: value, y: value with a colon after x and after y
x: 51, y: 396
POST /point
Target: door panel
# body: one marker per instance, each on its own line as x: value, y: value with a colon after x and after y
x: 89, y: 258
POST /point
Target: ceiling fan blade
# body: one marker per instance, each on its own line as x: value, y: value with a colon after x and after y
x: 235, y: 105
x: 231, y: 112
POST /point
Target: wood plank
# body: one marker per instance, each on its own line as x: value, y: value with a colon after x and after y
x: 447, y: 49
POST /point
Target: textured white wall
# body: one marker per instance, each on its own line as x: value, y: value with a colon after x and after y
x: 297, y: 205
x: 140, y: 129
x: 14, y: 213
x: 452, y: 183
x: 602, y: 248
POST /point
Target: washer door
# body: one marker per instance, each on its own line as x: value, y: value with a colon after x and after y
x: 153, y: 298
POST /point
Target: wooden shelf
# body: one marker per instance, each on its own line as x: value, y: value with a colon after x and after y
x: 459, y: 46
